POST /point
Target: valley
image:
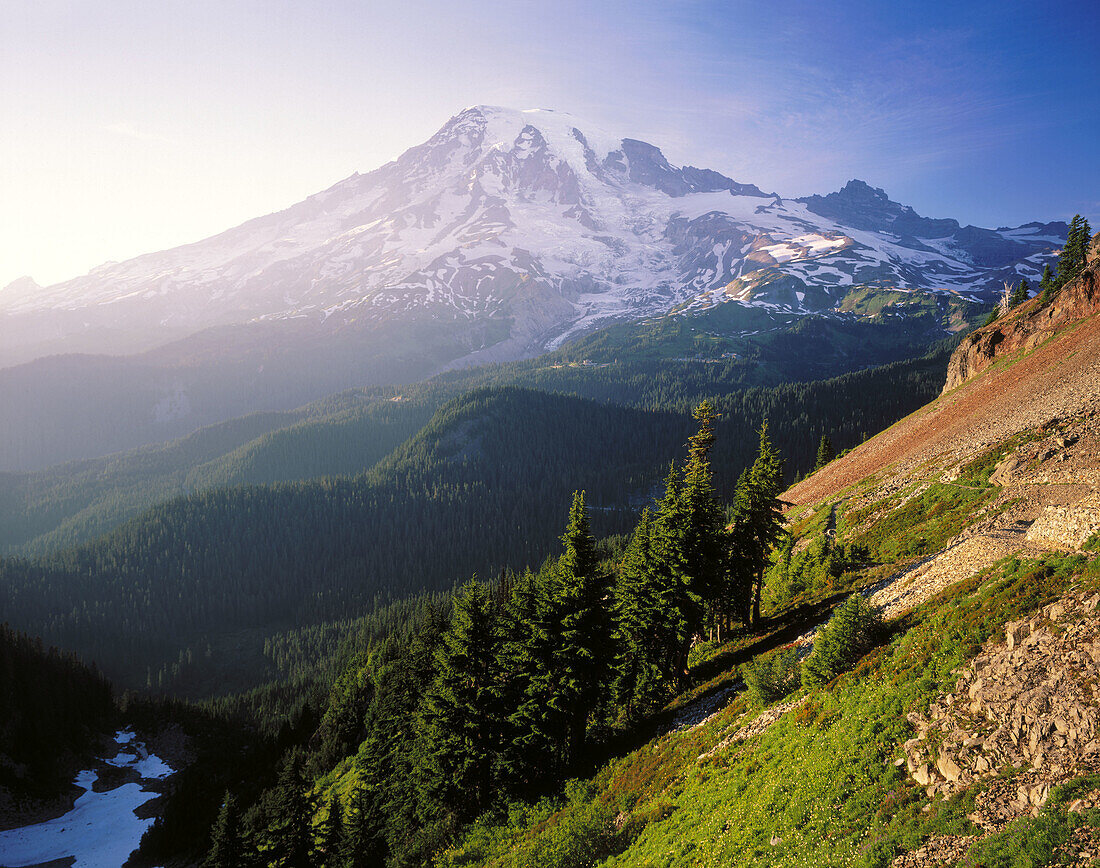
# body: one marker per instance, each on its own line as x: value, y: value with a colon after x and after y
x: 967, y: 514
x: 978, y: 488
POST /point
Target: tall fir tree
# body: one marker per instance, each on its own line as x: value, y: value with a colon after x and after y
x: 705, y: 544
x: 646, y: 627
x: 1074, y: 254
x: 757, y: 523
x: 825, y: 452
x: 331, y: 836
x: 581, y: 600
x: 535, y: 721
x: 361, y: 846
x: 557, y: 664
x: 462, y: 714
x: 1020, y: 294
x: 228, y: 846
x: 669, y: 547
x: 1047, y: 286
x: 290, y: 830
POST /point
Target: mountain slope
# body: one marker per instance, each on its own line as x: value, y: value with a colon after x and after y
x: 76, y: 502
x: 531, y: 222
x: 505, y: 234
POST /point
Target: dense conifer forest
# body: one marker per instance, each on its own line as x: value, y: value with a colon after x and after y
x: 52, y: 708
x: 506, y: 688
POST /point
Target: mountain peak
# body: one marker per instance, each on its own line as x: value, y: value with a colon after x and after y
x: 861, y: 190
x: 861, y: 206
x: 526, y: 216
x: 21, y: 288
x: 493, y: 126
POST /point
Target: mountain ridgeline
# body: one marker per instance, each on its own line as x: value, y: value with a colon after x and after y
x: 505, y: 235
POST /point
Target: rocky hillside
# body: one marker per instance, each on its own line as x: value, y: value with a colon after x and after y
x: 1049, y: 370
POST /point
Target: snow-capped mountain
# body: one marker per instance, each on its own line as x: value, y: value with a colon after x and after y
x: 532, y: 222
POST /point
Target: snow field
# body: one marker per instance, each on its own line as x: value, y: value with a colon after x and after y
x: 101, y: 830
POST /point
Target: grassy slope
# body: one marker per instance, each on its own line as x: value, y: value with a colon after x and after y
x: 818, y: 788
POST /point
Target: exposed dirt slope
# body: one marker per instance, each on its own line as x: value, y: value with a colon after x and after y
x: 1056, y: 376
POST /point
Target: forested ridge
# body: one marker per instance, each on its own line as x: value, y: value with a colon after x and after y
x: 52, y: 708
x: 505, y: 689
x: 73, y: 503
x: 161, y: 601
x: 348, y: 433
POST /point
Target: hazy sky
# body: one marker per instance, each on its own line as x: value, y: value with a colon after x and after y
x: 134, y: 126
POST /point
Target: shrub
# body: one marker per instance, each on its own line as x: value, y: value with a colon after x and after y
x: 579, y: 836
x: 850, y: 633
x: 770, y: 677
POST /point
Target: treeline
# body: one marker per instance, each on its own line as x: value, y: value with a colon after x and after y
x: 1071, y: 262
x: 52, y: 707
x: 505, y: 697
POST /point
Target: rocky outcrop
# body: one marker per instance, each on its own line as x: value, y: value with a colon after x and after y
x: 1026, y: 327
x: 1067, y: 527
x: 1030, y: 704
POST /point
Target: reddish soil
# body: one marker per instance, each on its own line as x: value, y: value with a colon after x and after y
x: 1058, y: 379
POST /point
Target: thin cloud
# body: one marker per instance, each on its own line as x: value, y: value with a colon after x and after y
x: 130, y: 130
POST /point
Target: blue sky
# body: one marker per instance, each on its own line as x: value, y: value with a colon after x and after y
x: 134, y: 126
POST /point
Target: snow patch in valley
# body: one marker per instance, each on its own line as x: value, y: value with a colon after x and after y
x: 101, y: 830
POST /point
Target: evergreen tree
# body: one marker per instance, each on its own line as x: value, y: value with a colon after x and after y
x: 687, y: 551
x: 331, y: 836
x: 462, y: 712
x: 757, y: 525
x: 1075, y: 252
x: 850, y: 633
x: 290, y: 833
x: 580, y: 599
x: 704, y: 539
x: 360, y: 848
x: 227, y: 844
x: 646, y: 626
x: 669, y: 545
x: 535, y: 723
x: 1020, y: 294
x: 556, y: 656
x: 1047, y: 286
x: 825, y: 452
